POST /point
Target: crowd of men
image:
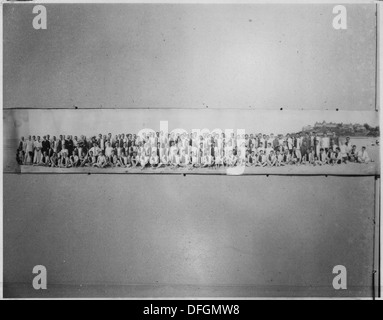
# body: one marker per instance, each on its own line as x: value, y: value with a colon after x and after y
x: 175, y: 150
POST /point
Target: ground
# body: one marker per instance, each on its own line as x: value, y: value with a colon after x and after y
x: 344, y: 169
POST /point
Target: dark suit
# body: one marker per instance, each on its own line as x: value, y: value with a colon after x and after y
x: 316, y: 143
x: 59, y: 146
x: 276, y: 143
x: 295, y: 142
x: 70, y: 146
x: 46, y: 145
x: 304, y: 146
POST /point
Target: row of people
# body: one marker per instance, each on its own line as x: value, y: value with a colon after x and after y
x: 201, y: 159
x: 30, y: 151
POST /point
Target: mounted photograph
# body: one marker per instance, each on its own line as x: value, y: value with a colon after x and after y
x: 220, y: 150
x: 249, y: 142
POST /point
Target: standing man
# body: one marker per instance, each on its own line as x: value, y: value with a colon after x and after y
x: 69, y: 145
x: 95, y: 150
x: 304, y: 146
x: 326, y: 142
x: 75, y: 142
x: 37, y: 146
x: 317, y: 143
x: 334, y: 141
x: 59, y: 144
x: 29, y: 151
x: 20, y: 155
x: 290, y: 144
x: 46, y: 145
x: 276, y: 143
x: 312, y: 141
x: 54, y: 146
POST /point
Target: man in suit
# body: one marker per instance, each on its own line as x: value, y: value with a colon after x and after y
x: 20, y: 154
x: 309, y: 141
x: 61, y: 143
x: 316, y: 146
x: 98, y: 140
x: 29, y: 148
x: 46, y: 145
x: 120, y: 144
x: 304, y: 146
x: 276, y: 143
x: 69, y: 145
x: 334, y: 140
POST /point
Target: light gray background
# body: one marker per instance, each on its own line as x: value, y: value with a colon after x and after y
x: 188, y: 236
x: 190, y: 56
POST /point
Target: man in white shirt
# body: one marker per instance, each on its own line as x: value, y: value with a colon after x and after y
x: 343, y: 152
x: 175, y: 159
x: 326, y: 142
x: 348, y: 146
x: 173, y: 149
x: 29, y: 146
x: 108, y: 150
x: 154, y: 160
x: 363, y: 156
x: 184, y: 159
x: 298, y: 142
x: 290, y: 143
x: 269, y: 149
x: 261, y: 148
x: 229, y: 148
x: 62, y: 143
x: 75, y: 142
x: 38, y: 146
x: 219, y: 144
x: 95, y: 150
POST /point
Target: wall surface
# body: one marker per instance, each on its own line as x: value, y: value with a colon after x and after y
x: 190, y: 56
x: 188, y: 236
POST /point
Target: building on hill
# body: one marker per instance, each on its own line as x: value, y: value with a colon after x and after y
x: 307, y: 128
x: 331, y: 125
x: 360, y: 129
x: 325, y: 125
x: 341, y: 128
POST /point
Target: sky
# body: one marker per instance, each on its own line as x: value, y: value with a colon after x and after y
x: 189, y: 56
x: 19, y: 123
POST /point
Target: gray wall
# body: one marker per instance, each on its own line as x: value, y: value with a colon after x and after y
x: 190, y: 56
x: 189, y: 236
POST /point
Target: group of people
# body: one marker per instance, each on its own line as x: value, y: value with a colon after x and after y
x: 183, y: 150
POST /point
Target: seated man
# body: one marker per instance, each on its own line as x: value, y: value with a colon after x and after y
x: 154, y: 160
x: 272, y: 159
x: 353, y: 156
x: 175, y: 159
x: 363, y: 156
x: 184, y: 159
x: 279, y: 162
x: 102, y: 161
x: 323, y: 158
x: 218, y: 159
x: 195, y: 160
x: 45, y: 160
